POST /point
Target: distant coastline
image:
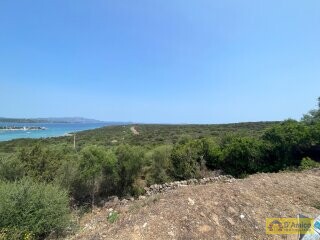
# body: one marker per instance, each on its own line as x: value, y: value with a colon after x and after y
x: 18, y: 128
x: 49, y: 120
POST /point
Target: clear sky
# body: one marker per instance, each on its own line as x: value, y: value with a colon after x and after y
x: 169, y: 61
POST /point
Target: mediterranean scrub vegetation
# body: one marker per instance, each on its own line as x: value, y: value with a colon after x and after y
x: 43, y: 181
x: 31, y: 209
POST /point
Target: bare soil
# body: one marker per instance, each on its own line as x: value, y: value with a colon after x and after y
x: 134, y: 131
x: 224, y: 210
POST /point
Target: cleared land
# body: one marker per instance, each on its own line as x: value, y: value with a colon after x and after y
x: 134, y: 130
x: 223, y: 210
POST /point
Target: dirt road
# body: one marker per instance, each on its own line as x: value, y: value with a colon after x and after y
x: 134, y: 130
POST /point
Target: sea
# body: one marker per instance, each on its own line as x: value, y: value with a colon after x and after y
x: 52, y: 129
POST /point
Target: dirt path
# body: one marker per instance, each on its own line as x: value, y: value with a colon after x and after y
x: 134, y: 130
x: 222, y: 210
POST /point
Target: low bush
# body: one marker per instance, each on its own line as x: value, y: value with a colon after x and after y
x: 286, y: 144
x: 186, y: 161
x: 241, y: 156
x: 112, y: 217
x: 32, y: 209
x: 161, y: 165
x: 212, y: 154
x: 11, y: 168
x: 308, y: 163
x: 97, y: 165
x: 129, y: 167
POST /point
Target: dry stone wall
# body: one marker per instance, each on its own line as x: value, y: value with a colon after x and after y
x: 159, y: 188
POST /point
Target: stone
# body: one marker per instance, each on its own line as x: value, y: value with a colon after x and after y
x: 204, y: 228
x: 231, y: 210
x: 230, y: 221
x: 215, y: 218
x: 159, y: 188
x: 190, y: 201
x: 114, y: 199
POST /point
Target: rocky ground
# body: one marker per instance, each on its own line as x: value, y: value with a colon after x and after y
x: 224, y: 209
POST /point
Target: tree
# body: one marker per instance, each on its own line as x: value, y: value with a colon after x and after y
x: 161, y: 165
x: 286, y: 144
x: 129, y: 166
x: 211, y: 152
x: 69, y: 177
x: 94, y: 163
x: 313, y: 116
x: 241, y: 156
x: 187, y: 160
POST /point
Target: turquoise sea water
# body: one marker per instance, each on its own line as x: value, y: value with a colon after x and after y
x: 53, y: 129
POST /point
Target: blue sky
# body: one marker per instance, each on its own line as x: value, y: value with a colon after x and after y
x: 169, y: 61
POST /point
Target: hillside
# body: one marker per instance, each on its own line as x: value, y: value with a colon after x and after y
x: 49, y: 120
x: 153, y: 134
x: 223, y: 210
x: 149, y: 134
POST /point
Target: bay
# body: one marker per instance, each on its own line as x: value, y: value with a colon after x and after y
x: 52, y: 129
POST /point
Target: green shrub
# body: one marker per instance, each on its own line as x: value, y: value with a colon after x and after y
x: 313, y: 116
x: 15, y: 234
x: 286, y: 144
x: 112, y: 217
x: 241, y: 156
x: 161, y: 165
x: 315, y: 133
x: 129, y: 167
x: 211, y: 152
x: 97, y: 165
x: 32, y: 208
x: 186, y: 160
x: 41, y: 163
x: 308, y: 163
x: 10, y: 168
x: 69, y: 178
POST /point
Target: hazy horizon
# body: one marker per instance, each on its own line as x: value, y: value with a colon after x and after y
x: 132, y: 122
x: 160, y: 61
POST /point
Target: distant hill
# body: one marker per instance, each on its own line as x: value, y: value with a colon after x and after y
x: 50, y: 120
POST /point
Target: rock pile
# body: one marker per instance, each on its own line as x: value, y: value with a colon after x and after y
x: 158, y: 188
